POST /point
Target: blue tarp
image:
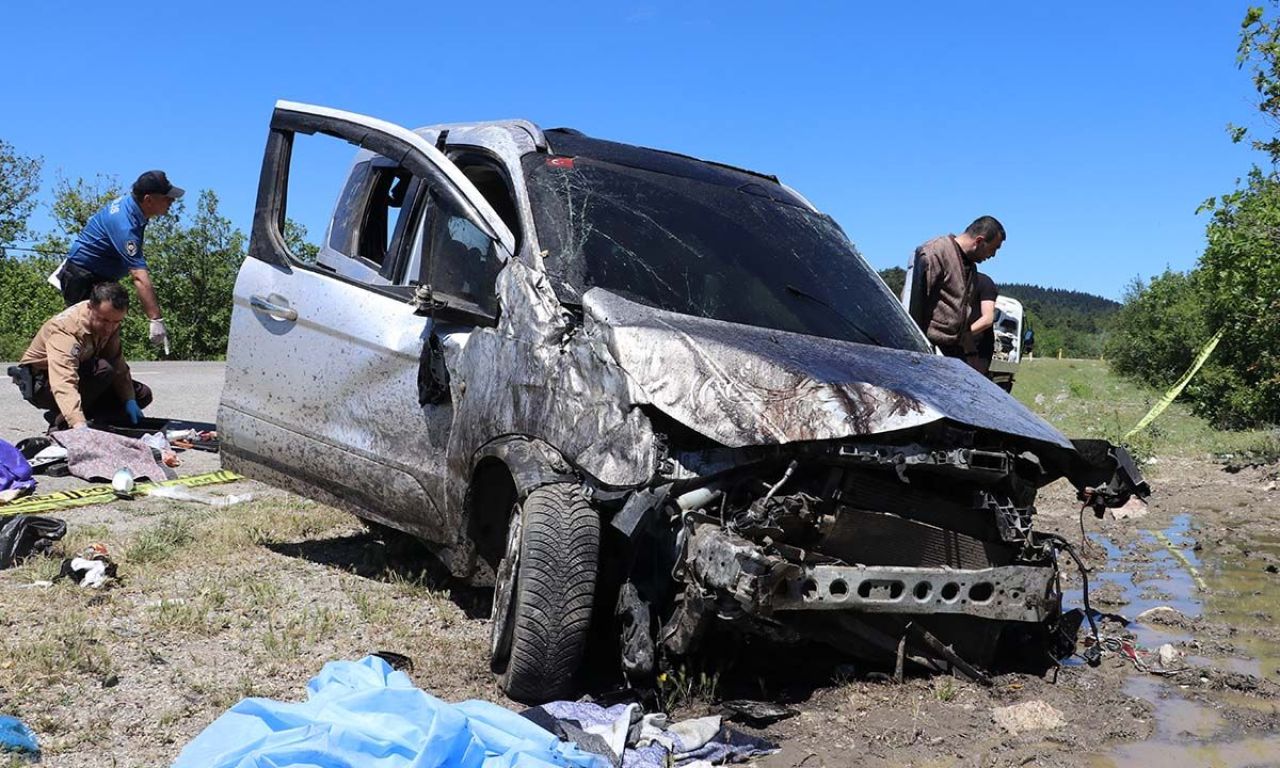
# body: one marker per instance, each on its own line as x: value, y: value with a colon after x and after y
x: 15, y: 736
x: 362, y: 713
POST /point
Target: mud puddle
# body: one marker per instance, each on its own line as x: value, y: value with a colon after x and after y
x: 1228, y: 634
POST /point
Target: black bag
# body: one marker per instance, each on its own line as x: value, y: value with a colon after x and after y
x: 22, y: 536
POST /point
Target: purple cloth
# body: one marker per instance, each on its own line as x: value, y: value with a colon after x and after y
x: 15, y: 471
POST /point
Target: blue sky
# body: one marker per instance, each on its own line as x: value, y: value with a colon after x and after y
x: 1091, y: 129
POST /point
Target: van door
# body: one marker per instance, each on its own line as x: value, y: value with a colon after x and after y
x: 322, y: 387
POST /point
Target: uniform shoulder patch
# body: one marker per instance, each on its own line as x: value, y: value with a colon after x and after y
x: 131, y: 247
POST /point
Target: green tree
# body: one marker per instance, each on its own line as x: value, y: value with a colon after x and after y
x: 1235, y: 286
x: 895, y: 278
x: 74, y: 202
x: 26, y: 301
x: 1239, y: 274
x: 295, y: 236
x: 193, y: 266
x: 1159, y: 329
x: 19, y: 182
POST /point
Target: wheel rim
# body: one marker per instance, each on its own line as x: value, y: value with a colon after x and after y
x: 504, y: 591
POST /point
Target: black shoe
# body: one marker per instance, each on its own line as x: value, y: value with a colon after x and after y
x: 56, y: 422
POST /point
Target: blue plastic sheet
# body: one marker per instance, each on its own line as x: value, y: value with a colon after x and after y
x: 365, y: 714
x: 15, y: 736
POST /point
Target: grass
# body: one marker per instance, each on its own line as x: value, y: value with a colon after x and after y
x: 945, y: 689
x: 1084, y: 399
x: 684, y: 685
x: 161, y: 541
x: 210, y: 608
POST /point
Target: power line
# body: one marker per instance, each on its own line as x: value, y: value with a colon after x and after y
x: 51, y: 249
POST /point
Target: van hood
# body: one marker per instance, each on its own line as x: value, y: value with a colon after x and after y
x: 742, y: 385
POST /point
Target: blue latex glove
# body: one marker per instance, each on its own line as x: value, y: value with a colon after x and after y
x: 135, y: 413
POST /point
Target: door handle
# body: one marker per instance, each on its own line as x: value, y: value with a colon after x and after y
x: 260, y: 304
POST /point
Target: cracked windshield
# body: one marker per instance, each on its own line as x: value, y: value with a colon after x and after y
x: 737, y: 251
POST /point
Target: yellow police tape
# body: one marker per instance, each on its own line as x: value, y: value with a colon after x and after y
x: 1195, y: 573
x: 101, y: 494
x: 1177, y: 387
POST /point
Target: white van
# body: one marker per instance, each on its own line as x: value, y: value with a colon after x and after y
x: 1013, y: 341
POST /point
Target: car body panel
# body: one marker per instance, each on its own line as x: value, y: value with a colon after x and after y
x: 741, y: 385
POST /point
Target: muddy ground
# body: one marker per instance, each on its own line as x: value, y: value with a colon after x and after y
x: 251, y: 600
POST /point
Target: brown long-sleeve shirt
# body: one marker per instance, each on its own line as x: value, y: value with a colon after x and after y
x: 948, y: 289
x: 62, y: 344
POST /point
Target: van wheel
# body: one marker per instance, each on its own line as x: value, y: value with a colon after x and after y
x: 544, y: 594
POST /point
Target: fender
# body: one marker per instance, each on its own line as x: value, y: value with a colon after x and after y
x: 532, y: 462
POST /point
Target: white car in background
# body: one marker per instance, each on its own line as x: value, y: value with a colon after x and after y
x: 1011, y: 341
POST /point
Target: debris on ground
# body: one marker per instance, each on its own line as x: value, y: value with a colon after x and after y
x: 365, y: 713
x: 1133, y: 509
x: 1163, y: 614
x: 624, y: 735
x: 24, y: 536
x: 756, y: 713
x: 178, y: 493
x: 1032, y: 715
x: 1164, y: 660
x: 92, y: 568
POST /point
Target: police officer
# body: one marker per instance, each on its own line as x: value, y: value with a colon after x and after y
x: 77, y: 369
x: 110, y: 246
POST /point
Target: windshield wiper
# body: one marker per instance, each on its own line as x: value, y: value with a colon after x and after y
x: 848, y: 321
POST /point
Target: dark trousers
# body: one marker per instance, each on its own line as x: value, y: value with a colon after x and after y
x: 77, y: 282
x: 958, y: 352
x: 98, y: 398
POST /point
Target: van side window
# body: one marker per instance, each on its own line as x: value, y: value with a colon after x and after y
x: 461, y: 260
x: 373, y: 207
x: 381, y: 214
x: 350, y: 209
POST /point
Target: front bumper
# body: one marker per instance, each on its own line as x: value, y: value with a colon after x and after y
x: 764, y: 583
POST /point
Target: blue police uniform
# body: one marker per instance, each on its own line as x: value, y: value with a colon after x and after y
x: 111, y: 243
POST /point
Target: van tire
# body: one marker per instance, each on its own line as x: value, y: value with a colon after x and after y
x: 554, y: 592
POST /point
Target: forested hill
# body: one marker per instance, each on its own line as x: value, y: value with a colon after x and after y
x: 1072, y: 321
x: 1060, y: 300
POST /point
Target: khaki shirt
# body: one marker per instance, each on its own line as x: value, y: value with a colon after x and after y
x: 949, y: 284
x: 61, y: 345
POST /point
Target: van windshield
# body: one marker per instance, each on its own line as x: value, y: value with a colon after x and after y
x: 740, y: 252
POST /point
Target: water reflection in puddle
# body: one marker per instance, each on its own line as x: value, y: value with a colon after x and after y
x: 1246, y: 753
x: 1187, y: 732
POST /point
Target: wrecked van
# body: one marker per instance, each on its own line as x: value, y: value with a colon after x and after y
x: 640, y: 391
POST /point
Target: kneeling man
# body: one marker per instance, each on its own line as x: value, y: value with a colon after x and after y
x: 77, y: 368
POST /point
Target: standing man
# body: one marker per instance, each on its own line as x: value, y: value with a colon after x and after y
x: 110, y: 247
x: 76, y: 369
x: 945, y: 269
x: 982, y: 321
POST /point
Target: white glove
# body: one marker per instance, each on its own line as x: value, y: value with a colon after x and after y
x: 159, y: 336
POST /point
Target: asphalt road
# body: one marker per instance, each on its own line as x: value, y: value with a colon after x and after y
x: 186, y: 391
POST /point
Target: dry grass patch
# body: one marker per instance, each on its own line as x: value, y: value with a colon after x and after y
x: 69, y: 643
x: 161, y: 541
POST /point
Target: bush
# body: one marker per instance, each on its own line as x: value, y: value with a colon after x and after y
x: 1239, y: 276
x: 26, y: 301
x: 1156, y: 334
